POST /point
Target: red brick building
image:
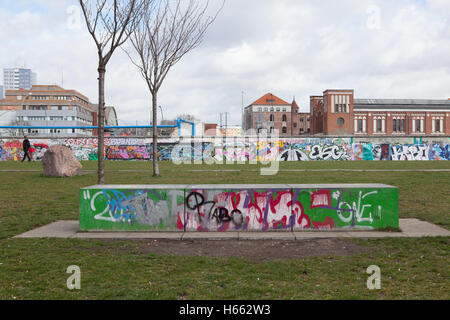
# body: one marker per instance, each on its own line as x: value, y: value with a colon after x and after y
x: 272, y: 113
x: 304, y: 123
x: 338, y: 113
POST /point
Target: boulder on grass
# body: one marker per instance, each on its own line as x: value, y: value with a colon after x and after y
x: 59, y: 161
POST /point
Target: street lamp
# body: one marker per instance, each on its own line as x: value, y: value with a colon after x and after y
x: 22, y: 102
x: 162, y: 116
x: 162, y: 119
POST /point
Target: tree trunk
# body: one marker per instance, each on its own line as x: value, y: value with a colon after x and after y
x: 101, y: 124
x: 155, y: 135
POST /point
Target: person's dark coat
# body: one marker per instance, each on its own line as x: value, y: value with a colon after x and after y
x: 26, y: 145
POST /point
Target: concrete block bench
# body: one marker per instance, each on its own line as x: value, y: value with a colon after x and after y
x: 259, y: 207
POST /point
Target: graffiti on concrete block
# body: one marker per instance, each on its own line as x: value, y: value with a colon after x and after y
x: 155, y: 209
x: 239, y: 209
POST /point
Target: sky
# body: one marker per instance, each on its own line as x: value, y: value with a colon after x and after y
x: 291, y: 48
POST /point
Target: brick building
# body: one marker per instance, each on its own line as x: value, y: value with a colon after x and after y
x: 48, y: 105
x: 272, y: 113
x: 304, y: 123
x: 336, y: 112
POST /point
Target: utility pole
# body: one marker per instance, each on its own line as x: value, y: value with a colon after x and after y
x: 243, y: 114
x: 226, y: 123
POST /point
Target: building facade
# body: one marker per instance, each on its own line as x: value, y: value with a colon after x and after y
x: 336, y: 112
x: 18, y: 78
x: 229, y: 131
x: 272, y: 113
x: 48, y: 105
x: 304, y: 123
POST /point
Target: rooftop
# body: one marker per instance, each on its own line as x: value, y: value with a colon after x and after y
x: 270, y: 100
x: 402, y: 102
x: 430, y: 104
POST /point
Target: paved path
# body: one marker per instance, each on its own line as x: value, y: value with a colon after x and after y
x: 240, y: 170
x: 411, y: 228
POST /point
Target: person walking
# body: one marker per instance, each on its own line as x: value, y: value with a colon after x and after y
x: 26, y: 147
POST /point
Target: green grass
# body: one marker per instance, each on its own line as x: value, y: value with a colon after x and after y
x: 36, y: 268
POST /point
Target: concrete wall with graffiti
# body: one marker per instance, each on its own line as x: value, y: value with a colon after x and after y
x: 239, y: 207
x: 242, y: 149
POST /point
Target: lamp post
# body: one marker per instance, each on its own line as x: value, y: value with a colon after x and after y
x: 242, y: 111
x: 162, y: 119
x: 162, y: 116
x: 22, y: 103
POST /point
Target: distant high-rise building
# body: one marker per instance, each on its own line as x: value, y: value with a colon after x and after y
x: 18, y: 78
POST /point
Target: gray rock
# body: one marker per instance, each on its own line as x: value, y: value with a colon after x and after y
x: 59, y: 161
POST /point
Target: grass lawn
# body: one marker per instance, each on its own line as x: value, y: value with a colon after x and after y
x: 36, y: 268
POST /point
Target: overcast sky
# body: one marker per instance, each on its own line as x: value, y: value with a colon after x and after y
x: 381, y: 49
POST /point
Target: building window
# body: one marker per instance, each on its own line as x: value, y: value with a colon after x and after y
x: 418, y: 125
x: 259, y: 109
x: 340, y: 108
x: 437, y: 125
x: 394, y: 125
x: 284, y: 118
x: 360, y: 128
x: 36, y: 118
x: 278, y: 108
x: 379, y: 125
x: 284, y: 109
x: 284, y: 130
x: 402, y: 125
x: 38, y: 107
x: 266, y: 109
x: 295, y: 124
x: 259, y: 118
x: 272, y: 117
x: 272, y: 109
x: 340, y: 122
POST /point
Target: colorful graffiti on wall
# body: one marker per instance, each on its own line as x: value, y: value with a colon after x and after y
x: 227, y: 209
x: 238, y: 150
x: 131, y: 209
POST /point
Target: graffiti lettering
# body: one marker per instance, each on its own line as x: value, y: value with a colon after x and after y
x: 286, y: 149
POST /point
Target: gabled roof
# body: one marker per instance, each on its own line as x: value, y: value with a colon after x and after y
x: 269, y: 100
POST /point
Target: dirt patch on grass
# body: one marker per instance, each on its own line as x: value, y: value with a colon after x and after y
x: 253, y: 250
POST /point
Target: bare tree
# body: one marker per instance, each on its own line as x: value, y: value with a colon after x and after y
x: 168, y: 31
x: 110, y: 23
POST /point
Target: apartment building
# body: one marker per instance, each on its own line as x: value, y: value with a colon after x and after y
x: 49, y: 106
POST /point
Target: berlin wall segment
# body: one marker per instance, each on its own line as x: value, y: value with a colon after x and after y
x: 224, y: 208
x: 241, y: 149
